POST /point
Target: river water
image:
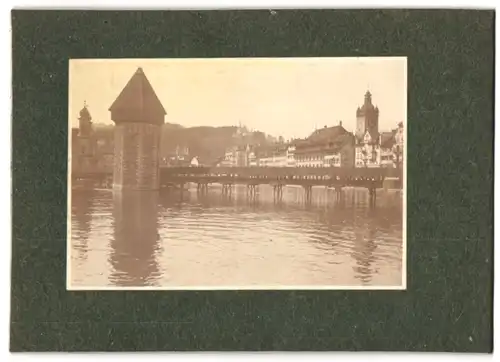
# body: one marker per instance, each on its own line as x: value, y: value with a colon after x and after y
x: 188, y: 240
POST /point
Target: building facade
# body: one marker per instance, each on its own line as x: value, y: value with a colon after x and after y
x: 229, y: 158
x: 387, y: 141
x: 252, y: 159
x: 273, y: 156
x: 105, y: 147
x: 239, y: 156
x: 92, y: 146
x: 178, y: 158
x: 290, y: 154
x: 398, y: 147
x: 326, y: 147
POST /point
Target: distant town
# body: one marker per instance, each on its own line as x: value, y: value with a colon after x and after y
x: 237, y: 146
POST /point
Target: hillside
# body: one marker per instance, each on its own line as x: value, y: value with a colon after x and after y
x: 208, y: 143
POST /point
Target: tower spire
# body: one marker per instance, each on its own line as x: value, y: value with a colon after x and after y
x: 368, y: 97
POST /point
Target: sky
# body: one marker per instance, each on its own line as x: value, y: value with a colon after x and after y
x: 289, y: 97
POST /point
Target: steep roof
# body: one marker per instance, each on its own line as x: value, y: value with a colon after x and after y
x: 85, y: 114
x: 138, y: 102
x: 367, y: 106
x: 387, y: 139
x: 327, y: 133
x: 374, y: 134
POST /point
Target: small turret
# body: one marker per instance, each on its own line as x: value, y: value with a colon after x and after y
x: 85, y: 121
x: 368, y: 97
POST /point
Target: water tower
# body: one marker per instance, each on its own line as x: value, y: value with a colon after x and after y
x: 138, y: 116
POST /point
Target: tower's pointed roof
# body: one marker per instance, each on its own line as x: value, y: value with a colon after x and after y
x: 85, y: 114
x: 367, y: 105
x: 138, y: 102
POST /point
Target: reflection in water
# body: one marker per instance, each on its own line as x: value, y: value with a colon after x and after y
x: 81, y: 209
x: 363, y: 250
x: 209, y: 240
x: 135, y: 242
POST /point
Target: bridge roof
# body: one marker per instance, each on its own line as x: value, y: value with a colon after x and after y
x: 138, y: 102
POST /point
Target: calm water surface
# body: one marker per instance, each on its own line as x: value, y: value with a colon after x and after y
x: 168, y: 240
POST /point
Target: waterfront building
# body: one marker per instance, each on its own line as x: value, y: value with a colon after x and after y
x: 326, y: 147
x: 234, y: 157
x: 195, y: 162
x: 229, y: 158
x: 242, y: 156
x: 398, y: 147
x: 239, y: 156
x: 104, y: 146
x: 252, y: 159
x: 92, y: 145
x: 273, y: 156
x: 387, y: 141
x: 290, y: 154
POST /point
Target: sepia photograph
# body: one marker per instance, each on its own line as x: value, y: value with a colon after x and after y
x: 237, y: 173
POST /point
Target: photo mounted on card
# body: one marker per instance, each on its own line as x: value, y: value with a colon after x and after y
x: 237, y: 173
x: 257, y: 180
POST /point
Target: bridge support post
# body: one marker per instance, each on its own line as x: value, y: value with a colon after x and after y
x: 278, y: 192
x: 308, y: 193
x: 252, y: 191
x: 372, y: 196
x: 227, y: 189
x: 202, y: 188
x: 181, y: 191
x: 338, y: 193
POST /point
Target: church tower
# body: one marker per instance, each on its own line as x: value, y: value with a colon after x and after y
x: 85, y: 122
x: 138, y: 116
x: 367, y: 118
x: 86, y: 140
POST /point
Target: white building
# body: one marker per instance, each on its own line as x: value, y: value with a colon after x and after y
x: 311, y: 161
x: 379, y: 151
x: 230, y: 158
x: 275, y: 160
x: 274, y: 156
x: 398, y: 147
x: 290, y: 154
x: 239, y: 156
x: 332, y: 160
x: 368, y: 150
x: 326, y: 147
x: 387, y: 142
x: 195, y: 162
x: 252, y: 159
